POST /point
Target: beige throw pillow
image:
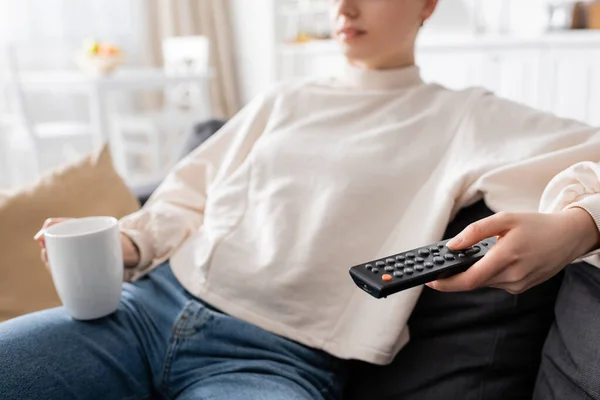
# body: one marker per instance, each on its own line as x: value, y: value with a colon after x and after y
x: 88, y: 187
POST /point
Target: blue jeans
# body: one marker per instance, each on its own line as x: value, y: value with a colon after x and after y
x: 161, y: 343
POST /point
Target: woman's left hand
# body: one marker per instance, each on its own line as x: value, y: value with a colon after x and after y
x: 531, y: 248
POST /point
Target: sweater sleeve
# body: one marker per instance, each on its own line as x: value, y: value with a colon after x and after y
x: 175, y: 211
x: 522, y: 159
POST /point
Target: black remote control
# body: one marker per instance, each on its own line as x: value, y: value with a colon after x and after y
x: 383, y: 277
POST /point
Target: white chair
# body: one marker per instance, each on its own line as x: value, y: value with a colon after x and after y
x: 145, y: 144
x: 28, y: 148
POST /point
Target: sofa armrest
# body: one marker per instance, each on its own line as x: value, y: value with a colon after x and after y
x: 197, y: 135
x: 143, y: 192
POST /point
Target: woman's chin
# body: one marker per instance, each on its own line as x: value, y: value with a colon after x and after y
x: 356, y: 57
x: 351, y: 50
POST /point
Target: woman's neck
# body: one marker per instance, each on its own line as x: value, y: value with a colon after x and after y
x: 392, y: 78
x: 395, y: 62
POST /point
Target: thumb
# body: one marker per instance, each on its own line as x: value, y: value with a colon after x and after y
x: 496, y: 225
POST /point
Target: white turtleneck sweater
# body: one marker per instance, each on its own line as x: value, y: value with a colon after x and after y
x: 315, y: 176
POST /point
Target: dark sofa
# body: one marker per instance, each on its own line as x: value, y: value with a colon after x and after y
x: 484, y: 344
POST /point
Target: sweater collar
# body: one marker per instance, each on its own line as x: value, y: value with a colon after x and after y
x: 388, y: 79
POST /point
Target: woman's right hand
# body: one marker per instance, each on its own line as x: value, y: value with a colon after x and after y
x: 131, y: 255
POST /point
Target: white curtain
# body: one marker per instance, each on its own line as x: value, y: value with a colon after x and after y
x: 211, y: 18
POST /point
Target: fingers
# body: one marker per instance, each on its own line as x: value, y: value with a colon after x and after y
x: 496, y: 225
x: 475, y: 277
x: 516, y: 288
x: 515, y: 280
x: 39, y: 237
x: 44, y: 257
x: 514, y: 275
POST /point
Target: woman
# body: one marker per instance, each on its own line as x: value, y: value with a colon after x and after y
x: 261, y: 223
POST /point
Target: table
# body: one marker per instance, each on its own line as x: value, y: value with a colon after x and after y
x: 98, y: 87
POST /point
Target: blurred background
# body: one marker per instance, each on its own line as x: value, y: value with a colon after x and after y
x: 139, y: 74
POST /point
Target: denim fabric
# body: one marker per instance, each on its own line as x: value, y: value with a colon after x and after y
x: 161, y: 343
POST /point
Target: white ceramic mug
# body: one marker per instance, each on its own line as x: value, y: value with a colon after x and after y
x: 86, y: 262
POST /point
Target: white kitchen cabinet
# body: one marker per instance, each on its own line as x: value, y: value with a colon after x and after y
x: 594, y: 98
x: 569, y: 81
x: 455, y: 69
x: 512, y: 74
x: 569, y: 85
x: 558, y: 73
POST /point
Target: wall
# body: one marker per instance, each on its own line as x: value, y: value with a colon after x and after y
x: 253, y: 23
x: 452, y: 16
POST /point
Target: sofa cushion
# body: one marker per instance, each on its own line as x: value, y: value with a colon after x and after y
x: 87, y: 187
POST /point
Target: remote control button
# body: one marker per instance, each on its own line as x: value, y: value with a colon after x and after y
x: 390, y: 261
x: 410, y: 255
x: 419, y: 260
x: 369, y: 267
x: 399, y: 265
x: 438, y: 260
x: 409, y: 271
x: 461, y: 255
x: 419, y: 267
x: 423, y: 252
x: 410, y: 263
x: 472, y: 250
x: 429, y: 264
x: 433, y: 249
x: 400, y: 258
x: 375, y: 271
x: 386, y: 277
x: 484, y: 243
x: 389, y: 269
x: 449, y: 257
x: 440, y: 246
x: 380, y: 264
x: 399, y: 274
